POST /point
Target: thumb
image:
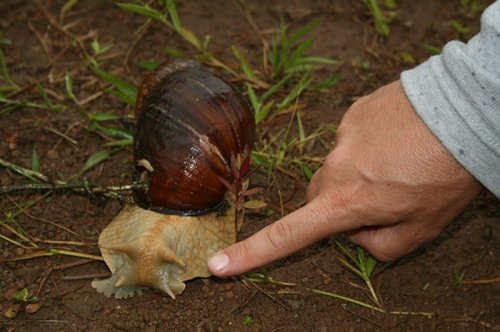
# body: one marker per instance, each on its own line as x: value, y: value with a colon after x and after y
x: 296, y: 230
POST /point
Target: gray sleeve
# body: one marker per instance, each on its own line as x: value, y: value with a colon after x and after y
x: 457, y: 94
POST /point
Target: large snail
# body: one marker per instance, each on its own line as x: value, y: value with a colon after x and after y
x: 191, y: 127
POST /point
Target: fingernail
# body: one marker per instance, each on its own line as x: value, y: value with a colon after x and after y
x: 218, y: 262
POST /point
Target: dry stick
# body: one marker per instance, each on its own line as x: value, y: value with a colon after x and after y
x: 63, y: 135
x: 78, y: 187
x: 138, y: 37
x: 283, y: 305
x: 85, y: 276
x: 23, y: 210
x: 42, y: 42
x: 58, y: 27
x: 255, y: 28
x: 42, y: 283
x: 482, y: 281
x: 72, y: 264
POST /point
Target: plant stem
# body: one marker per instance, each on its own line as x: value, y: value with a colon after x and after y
x: 24, y: 171
x: 79, y: 187
x: 347, y: 299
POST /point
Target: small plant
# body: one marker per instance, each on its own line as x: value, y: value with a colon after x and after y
x: 382, y: 19
x: 458, y: 277
x: 264, y: 277
x: 363, y: 266
x: 248, y: 320
x: 20, y: 299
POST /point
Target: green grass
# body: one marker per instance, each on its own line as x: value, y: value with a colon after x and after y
x: 382, y: 18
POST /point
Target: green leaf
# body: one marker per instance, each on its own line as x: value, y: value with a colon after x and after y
x: 173, y: 53
x: 302, y: 136
x: 120, y: 143
x: 253, y: 98
x: 35, y: 161
x: 149, y: 64
x: 69, y: 87
x: 102, y: 116
x: 3, y: 67
x: 144, y: 10
x: 123, y: 90
x: 45, y: 98
x: 308, y: 173
x: 174, y: 16
x: 191, y: 38
x: 21, y: 295
x: 433, y: 50
x: 263, y: 112
x: 98, y: 49
x: 245, y: 66
x: 319, y: 59
x: 299, y: 51
x: 304, y: 82
x: 298, y: 34
x: 328, y: 82
x: 67, y: 6
x: 94, y: 160
x: 116, y: 132
x: 254, y: 204
x: 276, y: 87
x: 370, y: 266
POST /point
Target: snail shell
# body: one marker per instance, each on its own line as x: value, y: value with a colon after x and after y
x: 189, y: 124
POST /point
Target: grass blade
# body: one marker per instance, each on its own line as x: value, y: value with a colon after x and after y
x: 3, y: 67
x: 245, y: 66
x: 304, y: 30
x: 144, y: 10
x: 69, y: 87
x: 66, y: 8
x: 263, y: 112
x: 35, y: 161
x: 174, y: 16
x: 94, y: 160
x: 122, y: 89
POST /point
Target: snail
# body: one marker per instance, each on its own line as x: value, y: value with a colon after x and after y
x: 191, y: 144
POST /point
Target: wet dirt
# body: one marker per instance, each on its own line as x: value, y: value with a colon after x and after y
x: 40, y: 52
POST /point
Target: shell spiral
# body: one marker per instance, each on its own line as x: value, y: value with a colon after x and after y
x: 189, y: 124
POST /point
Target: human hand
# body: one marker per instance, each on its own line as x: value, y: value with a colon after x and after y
x: 388, y: 183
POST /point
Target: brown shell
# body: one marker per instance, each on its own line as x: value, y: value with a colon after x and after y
x: 189, y: 123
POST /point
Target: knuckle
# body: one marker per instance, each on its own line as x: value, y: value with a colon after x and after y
x: 279, y: 235
x: 243, y: 252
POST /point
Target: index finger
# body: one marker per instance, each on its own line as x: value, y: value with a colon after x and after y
x: 296, y: 230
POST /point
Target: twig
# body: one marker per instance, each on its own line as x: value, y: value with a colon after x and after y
x: 78, y: 187
x: 43, y: 281
x: 283, y: 305
x: 72, y: 264
x: 85, y: 276
x: 52, y: 252
x: 63, y: 135
x: 482, y: 281
x: 23, y: 210
x: 142, y: 31
x: 42, y: 42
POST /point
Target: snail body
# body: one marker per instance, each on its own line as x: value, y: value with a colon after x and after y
x: 144, y: 248
x: 190, y: 125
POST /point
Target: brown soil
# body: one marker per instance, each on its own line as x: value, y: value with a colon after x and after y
x: 423, y: 282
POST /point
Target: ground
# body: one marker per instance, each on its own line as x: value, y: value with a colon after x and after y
x: 455, y: 278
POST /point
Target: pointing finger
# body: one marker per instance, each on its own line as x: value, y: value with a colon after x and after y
x: 287, y: 235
